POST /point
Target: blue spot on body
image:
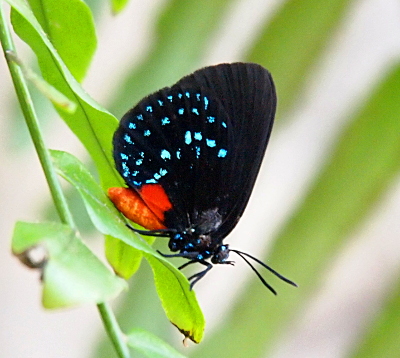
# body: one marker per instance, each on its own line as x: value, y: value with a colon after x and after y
x: 170, y: 98
x: 205, y: 103
x: 188, y: 137
x: 180, y: 95
x: 139, y: 117
x: 195, y: 111
x: 137, y: 183
x: 157, y: 176
x: 161, y: 103
x: 187, y: 94
x: 146, y: 133
x: 165, y: 154
x: 222, y: 153
x: 178, y: 154
x: 136, y: 172
x: 181, y: 110
x: 132, y: 125
x: 125, y: 169
x: 139, y: 162
x: 197, y: 152
x: 128, y: 139
x: 198, y: 96
x: 211, y: 143
x: 197, y: 135
x: 211, y: 119
x: 124, y: 156
x: 163, y: 172
x: 223, y: 124
x: 149, y: 109
x: 165, y: 121
x: 151, y: 181
x: 141, y: 154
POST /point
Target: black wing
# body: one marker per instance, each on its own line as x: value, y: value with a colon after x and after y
x: 202, y: 140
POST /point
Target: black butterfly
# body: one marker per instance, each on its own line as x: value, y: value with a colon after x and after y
x: 190, y: 155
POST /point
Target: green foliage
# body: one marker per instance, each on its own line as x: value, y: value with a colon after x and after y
x: 72, y: 274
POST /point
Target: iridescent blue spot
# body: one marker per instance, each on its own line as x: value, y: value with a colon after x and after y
x: 124, y: 156
x: 170, y: 98
x: 222, y: 153
x: 157, y: 176
x: 137, y: 183
x: 163, y: 172
x: 197, y: 135
x: 187, y: 94
x: 211, y: 119
x: 128, y: 139
x: 141, y: 154
x: 211, y: 143
x: 195, y: 111
x: 136, y: 172
x: 149, y: 109
x: 205, y: 103
x: 223, y: 124
x: 180, y: 95
x: 146, y: 133
x: 165, y: 121
x: 165, y: 154
x: 181, y: 110
x: 188, y: 137
x: 161, y: 103
x: 151, y: 181
x: 139, y: 162
x: 198, y: 96
x: 132, y: 125
x: 125, y: 169
x: 178, y: 154
x: 139, y: 117
x: 197, y: 152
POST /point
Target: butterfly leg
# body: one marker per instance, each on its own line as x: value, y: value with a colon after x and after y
x: 197, y: 276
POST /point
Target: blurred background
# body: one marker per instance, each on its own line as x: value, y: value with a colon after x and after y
x: 325, y: 210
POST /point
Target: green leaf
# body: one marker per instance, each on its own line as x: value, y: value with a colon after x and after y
x: 118, y: 5
x: 151, y: 345
x: 70, y: 27
x: 361, y: 168
x: 92, y: 124
x: 178, y: 301
x: 293, y: 41
x: 72, y: 274
x: 382, y: 338
x: 182, y: 34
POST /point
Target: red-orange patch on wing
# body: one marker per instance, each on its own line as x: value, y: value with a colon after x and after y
x: 129, y: 203
x: 156, y: 199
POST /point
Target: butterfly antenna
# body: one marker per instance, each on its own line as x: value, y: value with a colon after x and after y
x: 243, y: 254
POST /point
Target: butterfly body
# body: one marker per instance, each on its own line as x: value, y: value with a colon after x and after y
x: 190, y: 154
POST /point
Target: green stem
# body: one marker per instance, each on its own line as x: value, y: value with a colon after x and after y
x: 114, y: 332
x: 57, y: 194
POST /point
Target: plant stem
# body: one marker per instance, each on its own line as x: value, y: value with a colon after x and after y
x: 114, y: 332
x: 26, y: 103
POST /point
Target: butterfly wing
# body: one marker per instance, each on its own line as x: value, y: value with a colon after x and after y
x: 201, y: 142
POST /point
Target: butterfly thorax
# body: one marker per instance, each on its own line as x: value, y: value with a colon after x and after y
x: 199, y: 240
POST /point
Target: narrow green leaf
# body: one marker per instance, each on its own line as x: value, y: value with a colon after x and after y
x: 70, y: 27
x: 151, y: 345
x: 92, y: 124
x: 118, y: 5
x: 72, y: 274
x: 293, y: 41
x: 382, y: 339
x: 188, y: 318
x: 56, y: 97
x: 362, y: 166
x: 182, y: 34
x: 178, y: 301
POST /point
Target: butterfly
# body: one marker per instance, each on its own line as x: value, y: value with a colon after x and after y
x: 190, y: 155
